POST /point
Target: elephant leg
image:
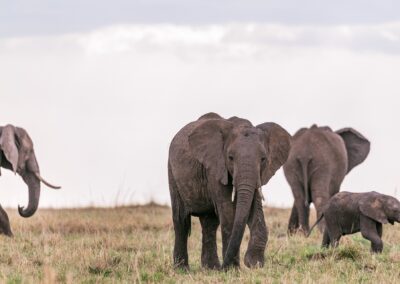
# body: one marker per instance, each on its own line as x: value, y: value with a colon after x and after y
x: 319, y: 205
x: 209, y: 255
x: 332, y: 232
x: 326, y: 240
x: 320, y: 190
x: 293, y: 220
x: 4, y: 223
x: 304, y: 214
x: 182, y: 228
x: 299, y: 216
x: 379, y: 229
x: 182, y: 224
x: 258, y: 235
x: 369, y: 231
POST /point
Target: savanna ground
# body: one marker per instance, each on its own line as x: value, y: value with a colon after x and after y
x: 134, y: 244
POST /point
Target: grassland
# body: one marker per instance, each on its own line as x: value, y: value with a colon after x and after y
x: 134, y: 244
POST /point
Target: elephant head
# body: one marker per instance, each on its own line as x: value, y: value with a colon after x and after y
x: 357, y: 146
x: 236, y: 153
x: 380, y: 207
x: 18, y: 155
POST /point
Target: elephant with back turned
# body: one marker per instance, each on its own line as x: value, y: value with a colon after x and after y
x: 17, y: 155
x: 211, y: 160
x: 318, y: 161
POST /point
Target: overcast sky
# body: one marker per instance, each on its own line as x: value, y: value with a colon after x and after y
x: 102, y: 88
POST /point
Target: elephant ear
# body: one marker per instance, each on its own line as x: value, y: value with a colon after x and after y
x: 373, y: 207
x: 25, y: 146
x: 357, y: 147
x: 9, y: 147
x: 277, y: 143
x: 206, y: 143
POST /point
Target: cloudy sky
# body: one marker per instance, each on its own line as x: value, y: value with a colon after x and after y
x: 103, y: 86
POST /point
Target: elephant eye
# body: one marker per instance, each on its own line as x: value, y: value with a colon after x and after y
x: 263, y: 159
x: 230, y: 157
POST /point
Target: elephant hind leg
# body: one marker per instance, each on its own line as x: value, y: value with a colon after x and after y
x: 5, y: 223
x: 319, y: 204
x: 304, y: 216
x: 326, y: 240
x: 209, y: 255
x: 332, y: 231
x: 182, y: 230
x: 293, y: 221
x: 182, y: 225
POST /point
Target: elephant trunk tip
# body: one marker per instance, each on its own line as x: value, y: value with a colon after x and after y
x: 26, y: 213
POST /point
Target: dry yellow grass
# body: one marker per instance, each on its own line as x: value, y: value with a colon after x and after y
x: 134, y: 244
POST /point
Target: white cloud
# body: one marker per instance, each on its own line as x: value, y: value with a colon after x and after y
x: 103, y: 106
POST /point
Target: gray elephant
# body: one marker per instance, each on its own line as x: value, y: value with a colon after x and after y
x: 17, y: 155
x: 349, y: 213
x: 318, y: 161
x: 211, y: 160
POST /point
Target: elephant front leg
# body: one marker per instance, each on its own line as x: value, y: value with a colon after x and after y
x: 4, y: 222
x: 369, y: 231
x: 209, y: 254
x: 254, y: 256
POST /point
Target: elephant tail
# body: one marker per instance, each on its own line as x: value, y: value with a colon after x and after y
x: 304, y: 167
x: 315, y: 224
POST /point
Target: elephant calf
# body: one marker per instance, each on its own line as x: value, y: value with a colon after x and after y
x: 17, y: 154
x: 349, y: 213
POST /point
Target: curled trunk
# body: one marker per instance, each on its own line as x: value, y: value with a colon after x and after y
x: 245, y: 196
x: 34, y: 194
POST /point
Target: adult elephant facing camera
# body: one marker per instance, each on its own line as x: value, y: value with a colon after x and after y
x: 210, y: 160
x: 318, y: 161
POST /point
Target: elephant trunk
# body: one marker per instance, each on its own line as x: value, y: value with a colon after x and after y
x: 34, y: 194
x: 245, y: 196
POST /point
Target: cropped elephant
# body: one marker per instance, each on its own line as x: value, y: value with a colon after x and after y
x: 215, y: 169
x: 318, y: 161
x: 17, y: 155
x: 349, y: 213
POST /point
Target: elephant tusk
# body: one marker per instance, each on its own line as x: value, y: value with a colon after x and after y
x: 233, y: 194
x: 261, y: 194
x: 45, y: 182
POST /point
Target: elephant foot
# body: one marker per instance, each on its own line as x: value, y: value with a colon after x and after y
x: 226, y: 267
x: 182, y: 267
x: 211, y: 264
x: 7, y: 233
x: 254, y: 259
x: 292, y: 231
x: 377, y: 248
x: 303, y: 230
x: 215, y: 266
x: 234, y: 264
x: 181, y: 264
